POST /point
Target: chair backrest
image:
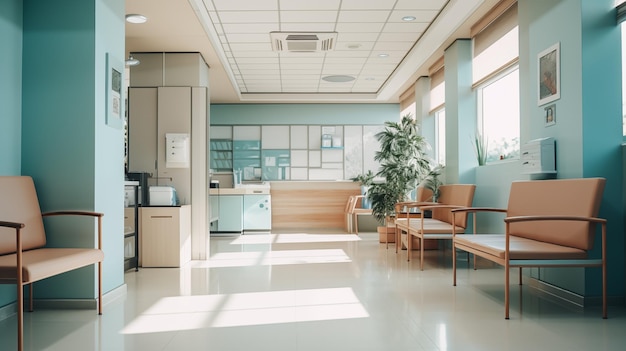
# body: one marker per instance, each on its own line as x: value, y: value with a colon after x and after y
x: 566, y: 197
x: 19, y: 203
x: 423, y: 194
x: 457, y: 195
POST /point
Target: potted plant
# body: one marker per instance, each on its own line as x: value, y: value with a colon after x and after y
x: 403, y: 165
x: 366, y: 179
x: 432, y: 181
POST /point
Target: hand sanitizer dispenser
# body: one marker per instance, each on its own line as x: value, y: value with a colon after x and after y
x: 176, y: 150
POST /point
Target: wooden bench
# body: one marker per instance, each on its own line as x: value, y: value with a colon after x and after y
x: 441, y: 224
x: 24, y: 259
x: 548, y: 223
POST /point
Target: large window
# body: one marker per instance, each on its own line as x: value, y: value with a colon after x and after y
x: 496, y: 82
x: 498, y: 114
x: 440, y: 135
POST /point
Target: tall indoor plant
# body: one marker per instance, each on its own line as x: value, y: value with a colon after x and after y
x: 403, y: 165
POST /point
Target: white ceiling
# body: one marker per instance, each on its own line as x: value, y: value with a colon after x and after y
x: 234, y: 38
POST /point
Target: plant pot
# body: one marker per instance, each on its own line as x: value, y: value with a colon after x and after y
x: 389, y: 232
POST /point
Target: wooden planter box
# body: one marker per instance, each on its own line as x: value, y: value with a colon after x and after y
x: 415, y: 245
x: 390, y: 232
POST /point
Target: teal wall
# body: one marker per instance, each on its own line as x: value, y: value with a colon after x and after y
x: 65, y: 145
x: 10, y: 86
x: 237, y: 114
x: 588, y: 129
x: 10, y: 100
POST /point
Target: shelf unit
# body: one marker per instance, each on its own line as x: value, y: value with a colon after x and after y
x: 131, y: 224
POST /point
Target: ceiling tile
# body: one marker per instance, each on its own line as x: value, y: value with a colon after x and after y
x: 250, y: 27
x: 237, y: 5
x: 363, y: 27
x: 410, y: 36
x: 309, y: 5
x: 420, y: 4
x: 248, y: 38
x: 307, y: 27
x: 308, y: 16
x: 411, y: 27
x: 248, y: 16
x: 363, y: 16
x: 356, y: 37
x: 420, y: 15
x: 367, y: 4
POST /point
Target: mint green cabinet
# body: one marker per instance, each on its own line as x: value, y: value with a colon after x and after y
x: 230, y: 213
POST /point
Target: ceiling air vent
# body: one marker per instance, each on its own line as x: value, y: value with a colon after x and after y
x: 303, y: 41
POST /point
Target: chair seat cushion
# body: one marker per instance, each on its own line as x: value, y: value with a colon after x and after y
x: 46, y: 262
x: 519, y: 248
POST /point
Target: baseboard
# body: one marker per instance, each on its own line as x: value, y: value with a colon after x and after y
x: 569, y: 298
x: 8, y: 310
x: 66, y: 304
x: 80, y: 304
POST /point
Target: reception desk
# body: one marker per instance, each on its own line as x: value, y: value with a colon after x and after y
x: 310, y: 204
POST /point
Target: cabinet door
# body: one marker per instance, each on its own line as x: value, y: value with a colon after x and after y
x: 160, y: 228
x: 142, y: 130
x: 257, y: 212
x: 230, y: 213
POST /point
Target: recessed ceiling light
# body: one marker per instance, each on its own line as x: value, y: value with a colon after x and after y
x: 136, y: 18
x: 383, y: 55
x: 408, y: 18
x: 339, y: 78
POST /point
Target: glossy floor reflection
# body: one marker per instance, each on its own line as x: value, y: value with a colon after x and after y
x: 312, y: 291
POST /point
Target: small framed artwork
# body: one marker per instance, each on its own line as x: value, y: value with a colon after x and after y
x: 549, y: 115
x: 114, y: 113
x: 549, y: 75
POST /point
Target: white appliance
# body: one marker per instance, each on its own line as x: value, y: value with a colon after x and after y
x: 162, y: 196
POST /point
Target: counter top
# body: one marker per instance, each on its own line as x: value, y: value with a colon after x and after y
x: 238, y: 191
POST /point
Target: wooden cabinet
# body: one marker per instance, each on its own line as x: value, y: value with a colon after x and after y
x: 166, y: 236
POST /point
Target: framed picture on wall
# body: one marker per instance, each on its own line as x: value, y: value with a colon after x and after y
x: 549, y: 75
x: 549, y: 115
x: 113, y: 92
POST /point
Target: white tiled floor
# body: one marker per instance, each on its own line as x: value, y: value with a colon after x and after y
x: 301, y: 292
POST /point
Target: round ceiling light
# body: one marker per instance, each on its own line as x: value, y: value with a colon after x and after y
x: 339, y: 78
x: 136, y: 18
x: 408, y: 18
x: 383, y: 55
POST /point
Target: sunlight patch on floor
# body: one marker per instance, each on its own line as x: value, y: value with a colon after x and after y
x: 293, y: 238
x: 247, y: 309
x: 272, y: 258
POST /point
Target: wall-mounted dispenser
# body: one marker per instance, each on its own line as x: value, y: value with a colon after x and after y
x: 177, y: 150
x: 539, y: 156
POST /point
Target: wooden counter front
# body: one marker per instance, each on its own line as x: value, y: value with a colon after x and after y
x: 310, y: 204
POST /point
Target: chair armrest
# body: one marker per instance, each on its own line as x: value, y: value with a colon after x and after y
x: 14, y: 225
x: 553, y: 218
x: 99, y: 215
x: 435, y: 206
x: 78, y: 213
x: 479, y: 209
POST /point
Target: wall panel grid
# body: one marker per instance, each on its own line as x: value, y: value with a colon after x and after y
x: 317, y: 152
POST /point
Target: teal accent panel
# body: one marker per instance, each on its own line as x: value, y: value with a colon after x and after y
x: 602, y: 130
x: 11, y: 102
x: 10, y: 87
x: 75, y: 159
x: 333, y: 114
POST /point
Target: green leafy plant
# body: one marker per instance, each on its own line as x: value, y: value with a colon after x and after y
x: 366, y: 179
x: 403, y: 165
x: 480, y: 148
x: 433, y: 180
